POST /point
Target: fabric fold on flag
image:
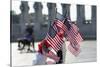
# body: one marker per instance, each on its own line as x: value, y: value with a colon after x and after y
x: 75, y: 38
x: 54, y: 39
x: 72, y: 35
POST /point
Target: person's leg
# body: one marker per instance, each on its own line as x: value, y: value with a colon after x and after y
x: 64, y: 50
x: 23, y: 43
x: 28, y: 44
x: 19, y: 44
x: 28, y: 48
x: 33, y: 43
x: 60, y: 54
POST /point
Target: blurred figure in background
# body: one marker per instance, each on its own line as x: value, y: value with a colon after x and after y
x: 28, y: 38
x: 30, y: 35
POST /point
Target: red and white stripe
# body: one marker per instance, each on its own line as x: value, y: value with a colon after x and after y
x: 73, y: 36
x: 74, y: 51
x: 61, y: 25
x: 55, y: 42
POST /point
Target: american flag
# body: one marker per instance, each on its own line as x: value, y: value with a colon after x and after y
x: 60, y: 25
x: 72, y: 35
x: 54, y: 39
x: 75, y: 38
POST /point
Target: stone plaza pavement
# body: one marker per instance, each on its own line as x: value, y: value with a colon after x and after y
x: 88, y: 54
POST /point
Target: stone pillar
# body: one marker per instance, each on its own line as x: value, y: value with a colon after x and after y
x: 24, y: 17
x: 94, y: 20
x: 51, y: 12
x: 80, y: 14
x: 94, y: 14
x: 38, y: 19
x: 66, y: 10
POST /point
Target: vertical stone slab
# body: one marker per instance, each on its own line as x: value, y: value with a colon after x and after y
x: 24, y: 16
x: 66, y: 10
x: 51, y: 12
x: 38, y: 20
x: 94, y: 20
x: 81, y: 20
x: 80, y: 14
x: 94, y: 14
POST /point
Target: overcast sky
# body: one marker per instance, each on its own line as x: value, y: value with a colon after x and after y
x: 16, y: 6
